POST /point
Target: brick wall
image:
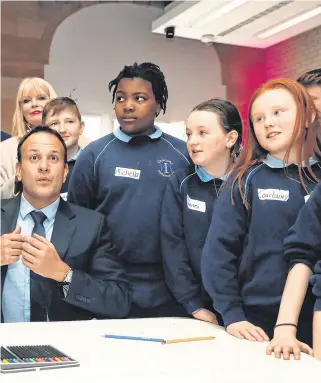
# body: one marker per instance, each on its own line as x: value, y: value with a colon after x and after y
x: 295, y: 56
x: 27, y: 29
x: 245, y: 69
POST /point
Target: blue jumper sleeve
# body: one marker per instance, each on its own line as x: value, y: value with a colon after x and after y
x: 178, y: 272
x: 222, y: 254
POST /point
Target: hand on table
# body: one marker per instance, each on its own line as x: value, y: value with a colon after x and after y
x: 285, y: 343
x: 205, y: 315
x: 246, y: 330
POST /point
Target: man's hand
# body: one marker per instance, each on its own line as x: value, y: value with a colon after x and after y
x: 40, y: 256
x: 205, y: 315
x: 246, y: 330
x: 11, y: 245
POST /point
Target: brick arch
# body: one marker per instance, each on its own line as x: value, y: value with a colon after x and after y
x: 75, y: 7
x: 54, y: 23
x: 27, y: 30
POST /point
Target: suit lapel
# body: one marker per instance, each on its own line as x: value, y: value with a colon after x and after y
x: 64, y: 228
x: 9, y: 214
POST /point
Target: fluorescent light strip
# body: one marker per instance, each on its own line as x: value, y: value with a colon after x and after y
x: 289, y: 23
x: 210, y: 15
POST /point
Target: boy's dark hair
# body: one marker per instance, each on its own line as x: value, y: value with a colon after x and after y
x: 59, y: 104
x: 41, y: 129
x: 229, y: 116
x: 310, y: 78
x: 149, y: 72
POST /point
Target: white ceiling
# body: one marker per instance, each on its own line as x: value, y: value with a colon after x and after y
x: 239, y: 26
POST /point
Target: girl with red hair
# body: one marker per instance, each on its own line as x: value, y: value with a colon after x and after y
x: 243, y: 267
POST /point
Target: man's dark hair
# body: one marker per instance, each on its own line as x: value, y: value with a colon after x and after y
x: 41, y: 129
x: 310, y: 78
x: 146, y: 71
x: 58, y: 105
x: 18, y: 187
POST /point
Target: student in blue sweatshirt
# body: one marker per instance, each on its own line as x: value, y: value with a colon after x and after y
x: 62, y: 114
x: 243, y: 268
x: 214, y: 136
x: 303, y: 252
x: 124, y: 175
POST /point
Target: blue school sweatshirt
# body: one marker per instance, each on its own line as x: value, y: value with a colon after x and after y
x: 243, y: 266
x: 303, y: 244
x: 71, y: 165
x: 186, y: 217
x: 124, y: 178
x: 316, y: 281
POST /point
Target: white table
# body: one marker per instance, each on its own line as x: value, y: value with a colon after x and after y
x: 222, y: 360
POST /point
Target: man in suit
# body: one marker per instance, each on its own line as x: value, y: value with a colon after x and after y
x: 57, y: 260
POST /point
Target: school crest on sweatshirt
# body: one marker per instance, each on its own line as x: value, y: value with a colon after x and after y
x: 273, y: 195
x: 166, y: 169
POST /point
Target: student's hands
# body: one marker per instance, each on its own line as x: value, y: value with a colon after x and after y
x: 285, y: 343
x: 205, y: 315
x: 11, y: 245
x: 317, y: 335
x: 246, y: 330
x: 40, y: 256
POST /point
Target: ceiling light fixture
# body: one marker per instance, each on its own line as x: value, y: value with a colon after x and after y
x: 289, y: 23
x: 213, y: 15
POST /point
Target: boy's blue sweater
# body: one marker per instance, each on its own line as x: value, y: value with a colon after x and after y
x: 243, y: 266
x: 124, y: 178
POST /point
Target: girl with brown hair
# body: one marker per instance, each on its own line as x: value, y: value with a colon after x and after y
x: 243, y: 266
x: 214, y: 135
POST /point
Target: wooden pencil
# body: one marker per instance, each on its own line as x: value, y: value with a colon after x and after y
x: 188, y: 339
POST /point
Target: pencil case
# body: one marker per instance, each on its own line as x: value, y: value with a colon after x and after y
x: 30, y: 358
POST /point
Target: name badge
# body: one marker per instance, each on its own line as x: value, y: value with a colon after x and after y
x: 273, y: 195
x: 129, y: 173
x: 196, y: 205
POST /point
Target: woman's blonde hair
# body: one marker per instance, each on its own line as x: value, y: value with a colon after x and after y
x: 28, y: 86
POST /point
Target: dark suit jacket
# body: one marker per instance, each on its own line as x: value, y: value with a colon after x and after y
x: 4, y: 136
x: 99, y: 287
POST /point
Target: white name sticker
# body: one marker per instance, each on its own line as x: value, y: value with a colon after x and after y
x: 129, y: 173
x: 306, y: 197
x: 194, y: 204
x: 273, y: 195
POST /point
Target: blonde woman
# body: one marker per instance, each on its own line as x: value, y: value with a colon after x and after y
x: 32, y: 96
